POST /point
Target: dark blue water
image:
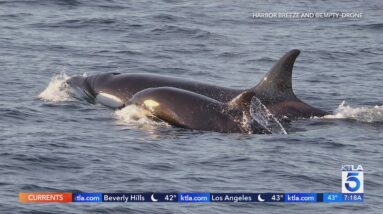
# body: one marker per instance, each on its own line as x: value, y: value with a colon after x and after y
x: 50, y: 142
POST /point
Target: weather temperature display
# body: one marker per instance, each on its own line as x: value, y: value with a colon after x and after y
x: 352, y: 191
x: 190, y: 197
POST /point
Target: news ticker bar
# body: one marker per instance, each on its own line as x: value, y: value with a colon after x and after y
x: 191, y: 197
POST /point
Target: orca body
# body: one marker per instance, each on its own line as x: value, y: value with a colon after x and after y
x: 187, y: 109
x: 274, y: 90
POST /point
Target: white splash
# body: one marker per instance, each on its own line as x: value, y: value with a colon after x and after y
x: 369, y: 114
x: 260, y: 114
x: 57, y: 89
x: 135, y: 115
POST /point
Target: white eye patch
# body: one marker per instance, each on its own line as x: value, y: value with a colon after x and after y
x: 150, y: 104
x: 109, y: 100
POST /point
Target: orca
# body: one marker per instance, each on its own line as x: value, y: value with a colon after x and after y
x: 191, y: 110
x: 274, y: 90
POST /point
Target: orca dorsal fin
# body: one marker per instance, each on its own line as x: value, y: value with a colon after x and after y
x: 276, y: 85
x: 242, y: 101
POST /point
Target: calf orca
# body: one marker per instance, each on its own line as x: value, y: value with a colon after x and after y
x: 274, y: 90
x: 187, y: 109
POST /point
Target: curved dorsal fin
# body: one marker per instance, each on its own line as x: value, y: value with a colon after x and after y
x: 276, y: 84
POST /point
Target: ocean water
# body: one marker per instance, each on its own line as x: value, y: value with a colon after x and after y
x: 52, y: 142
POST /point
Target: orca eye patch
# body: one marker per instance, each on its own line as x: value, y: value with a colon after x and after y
x: 151, y: 103
x: 109, y: 100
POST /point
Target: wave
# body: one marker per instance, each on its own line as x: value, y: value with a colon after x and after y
x: 43, y: 2
x: 262, y: 116
x: 57, y: 89
x: 368, y: 114
x: 184, y: 31
x: 374, y: 26
x: 135, y: 115
x: 81, y: 23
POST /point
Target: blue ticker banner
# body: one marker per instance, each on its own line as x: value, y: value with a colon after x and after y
x: 352, y: 192
x: 193, y: 197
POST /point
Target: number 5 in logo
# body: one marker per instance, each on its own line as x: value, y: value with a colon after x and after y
x: 352, y: 182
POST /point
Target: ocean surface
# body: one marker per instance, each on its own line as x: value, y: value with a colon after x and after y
x: 53, y: 143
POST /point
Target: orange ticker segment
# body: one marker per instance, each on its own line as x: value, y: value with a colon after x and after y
x: 60, y: 197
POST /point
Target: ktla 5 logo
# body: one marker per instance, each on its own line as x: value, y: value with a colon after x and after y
x: 352, y: 179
